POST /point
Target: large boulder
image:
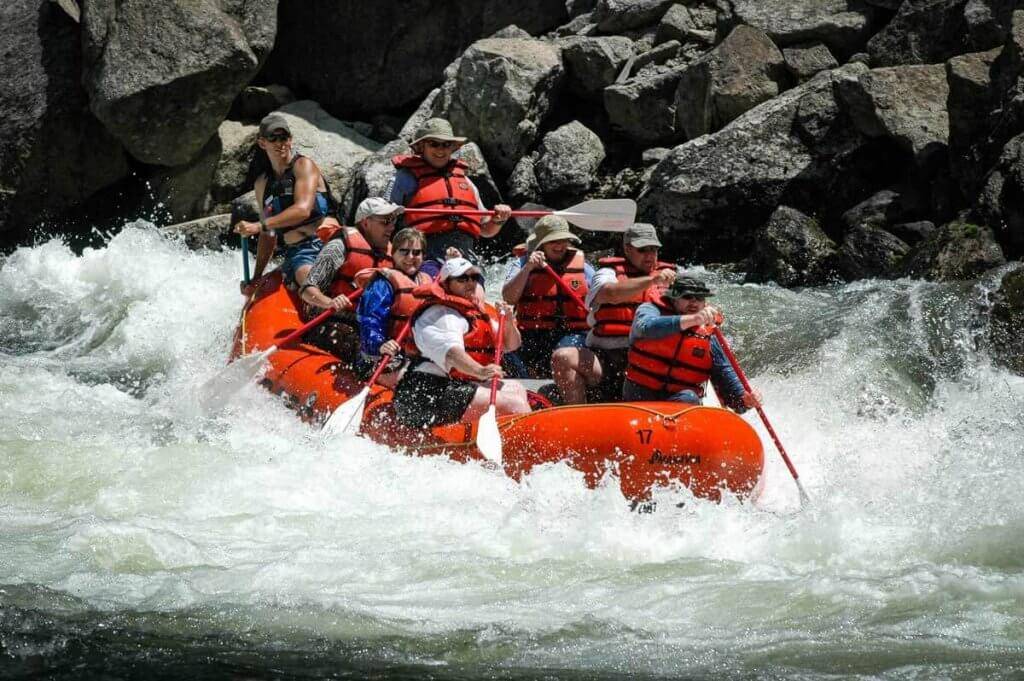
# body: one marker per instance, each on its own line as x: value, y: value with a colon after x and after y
x: 881, y: 209
x: 1001, y: 201
x: 1007, y: 320
x: 843, y: 25
x: 237, y: 149
x: 972, y: 99
x: 614, y: 16
x: 53, y: 152
x: 568, y: 159
x: 932, y: 31
x: 592, y: 63
x: 203, y: 233
x: 870, y: 252
x: 905, y: 103
x: 714, y: 190
x: 498, y: 93
x: 744, y: 70
x: 792, y: 250
x: 162, y: 76
x: 643, y: 107
x: 805, y: 61
x: 358, y: 58
x: 685, y: 24
x: 958, y: 250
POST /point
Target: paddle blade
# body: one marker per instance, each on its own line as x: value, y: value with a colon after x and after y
x: 488, y: 439
x: 602, y: 215
x: 347, y: 418
x: 227, y: 382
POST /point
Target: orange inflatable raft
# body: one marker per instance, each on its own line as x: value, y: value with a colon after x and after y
x: 643, y: 444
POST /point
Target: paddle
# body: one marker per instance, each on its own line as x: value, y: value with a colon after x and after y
x: 598, y: 215
x: 565, y: 287
x: 234, y: 376
x: 488, y: 439
x: 804, y: 499
x: 245, y: 258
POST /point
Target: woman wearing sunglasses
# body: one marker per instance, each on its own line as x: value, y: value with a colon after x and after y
x: 430, y: 178
x: 673, y: 352
x: 455, y: 337
x: 295, y: 200
x: 387, y: 304
x: 346, y: 252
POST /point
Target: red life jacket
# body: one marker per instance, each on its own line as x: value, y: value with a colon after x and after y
x: 448, y: 187
x: 616, y: 319
x: 479, y: 341
x: 680, y: 361
x: 359, y: 255
x: 404, y: 305
x: 544, y: 305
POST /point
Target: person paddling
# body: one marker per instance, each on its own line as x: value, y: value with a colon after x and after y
x: 432, y: 178
x: 616, y: 291
x: 455, y: 336
x: 294, y: 201
x: 387, y: 304
x: 549, y: 318
x: 673, y: 352
x: 347, y: 251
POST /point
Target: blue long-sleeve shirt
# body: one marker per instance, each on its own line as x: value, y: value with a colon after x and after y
x: 373, y: 314
x: 650, y: 323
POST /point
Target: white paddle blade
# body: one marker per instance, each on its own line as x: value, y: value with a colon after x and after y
x: 230, y: 380
x: 602, y: 215
x: 488, y: 439
x: 347, y: 418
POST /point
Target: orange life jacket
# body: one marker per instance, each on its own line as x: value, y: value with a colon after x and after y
x: 544, y: 305
x: 359, y: 255
x: 448, y: 187
x: 616, y: 319
x: 404, y: 305
x: 679, y: 361
x: 479, y: 341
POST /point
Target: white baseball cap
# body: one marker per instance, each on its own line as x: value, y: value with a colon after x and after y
x: 375, y: 205
x: 456, y: 267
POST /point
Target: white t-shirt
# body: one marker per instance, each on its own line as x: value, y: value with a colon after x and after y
x: 604, y: 276
x: 436, y: 331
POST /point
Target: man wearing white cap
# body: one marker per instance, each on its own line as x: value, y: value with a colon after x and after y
x: 455, y: 336
x: 347, y: 251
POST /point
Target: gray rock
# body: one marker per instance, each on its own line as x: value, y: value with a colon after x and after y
x: 591, y: 64
x: 162, y: 76
x: 971, y: 102
x: 580, y: 25
x: 887, y: 4
x: 643, y: 108
x: 184, y: 190
x: 958, y: 250
x: 53, y: 153
x: 500, y: 91
x: 931, y: 31
x: 653, y: 155
x: 805, y: 61
x: 522, y: 183
x: 614, y: 16
x: 878, y: 210
x: 744, y: 70
x: 870, y: 252
x: 244, y: 207
x: 713, y: 191
x: 256, y: 101
x: 656, y: 55
x: 577, y: 8
x: 906, y: 103
x: 912, y: 232
x: 1001, y: 201
x: 841, y: 24
x: 392, y: 54
x: 205, y: 233
x: 1007, y: 319
x: 568, y: 159
x: 238, y: 147
x: 792, y: 250
x: 511, y: 31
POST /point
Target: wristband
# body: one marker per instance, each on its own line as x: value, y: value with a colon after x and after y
x: 263, y: 224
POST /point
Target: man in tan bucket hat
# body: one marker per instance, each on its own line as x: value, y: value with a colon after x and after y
x: 549, y: 318
x: 432, y: 178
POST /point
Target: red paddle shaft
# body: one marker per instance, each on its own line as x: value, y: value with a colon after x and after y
x: 764, y: 417
x: 565, y: 287
x: 499, y: 346
x: 316, y: 321
x: 477, y: 213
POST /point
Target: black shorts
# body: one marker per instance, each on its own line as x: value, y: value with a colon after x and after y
x: 423, y: 400
x: 340, y: 338
x: 613, y: 372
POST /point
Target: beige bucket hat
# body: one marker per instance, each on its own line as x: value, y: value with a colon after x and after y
x: 437, y: 129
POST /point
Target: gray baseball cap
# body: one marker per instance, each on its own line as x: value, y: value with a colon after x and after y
x: 274, y: 121
x: 641, y: 235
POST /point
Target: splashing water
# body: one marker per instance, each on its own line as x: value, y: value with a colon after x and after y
x: 138, y: 529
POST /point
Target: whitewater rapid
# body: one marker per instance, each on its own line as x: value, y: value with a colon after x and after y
x: 121, y: 500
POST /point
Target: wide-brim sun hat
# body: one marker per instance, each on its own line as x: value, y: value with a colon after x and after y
x: 550, y: 228
x: 437, y: 129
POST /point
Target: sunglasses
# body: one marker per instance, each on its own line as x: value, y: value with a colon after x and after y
x: 438, y: 144
x: 649, y: 249
x: 384, y: 220
x: 699, y: 299
x: 278, y: 137
x: 413, y: 252
x: 463, y: 278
